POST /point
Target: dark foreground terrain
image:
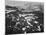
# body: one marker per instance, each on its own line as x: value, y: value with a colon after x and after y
x: 18, y: 22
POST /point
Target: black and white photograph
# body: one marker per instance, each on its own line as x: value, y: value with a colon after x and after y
x: 24, y: 17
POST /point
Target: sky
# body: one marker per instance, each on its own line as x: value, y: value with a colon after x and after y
x: 23, y: 4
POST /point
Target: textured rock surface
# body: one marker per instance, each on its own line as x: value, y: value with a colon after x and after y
x: 20, y: 22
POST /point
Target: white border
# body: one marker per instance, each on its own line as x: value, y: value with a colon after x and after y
x: 2, y: 16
